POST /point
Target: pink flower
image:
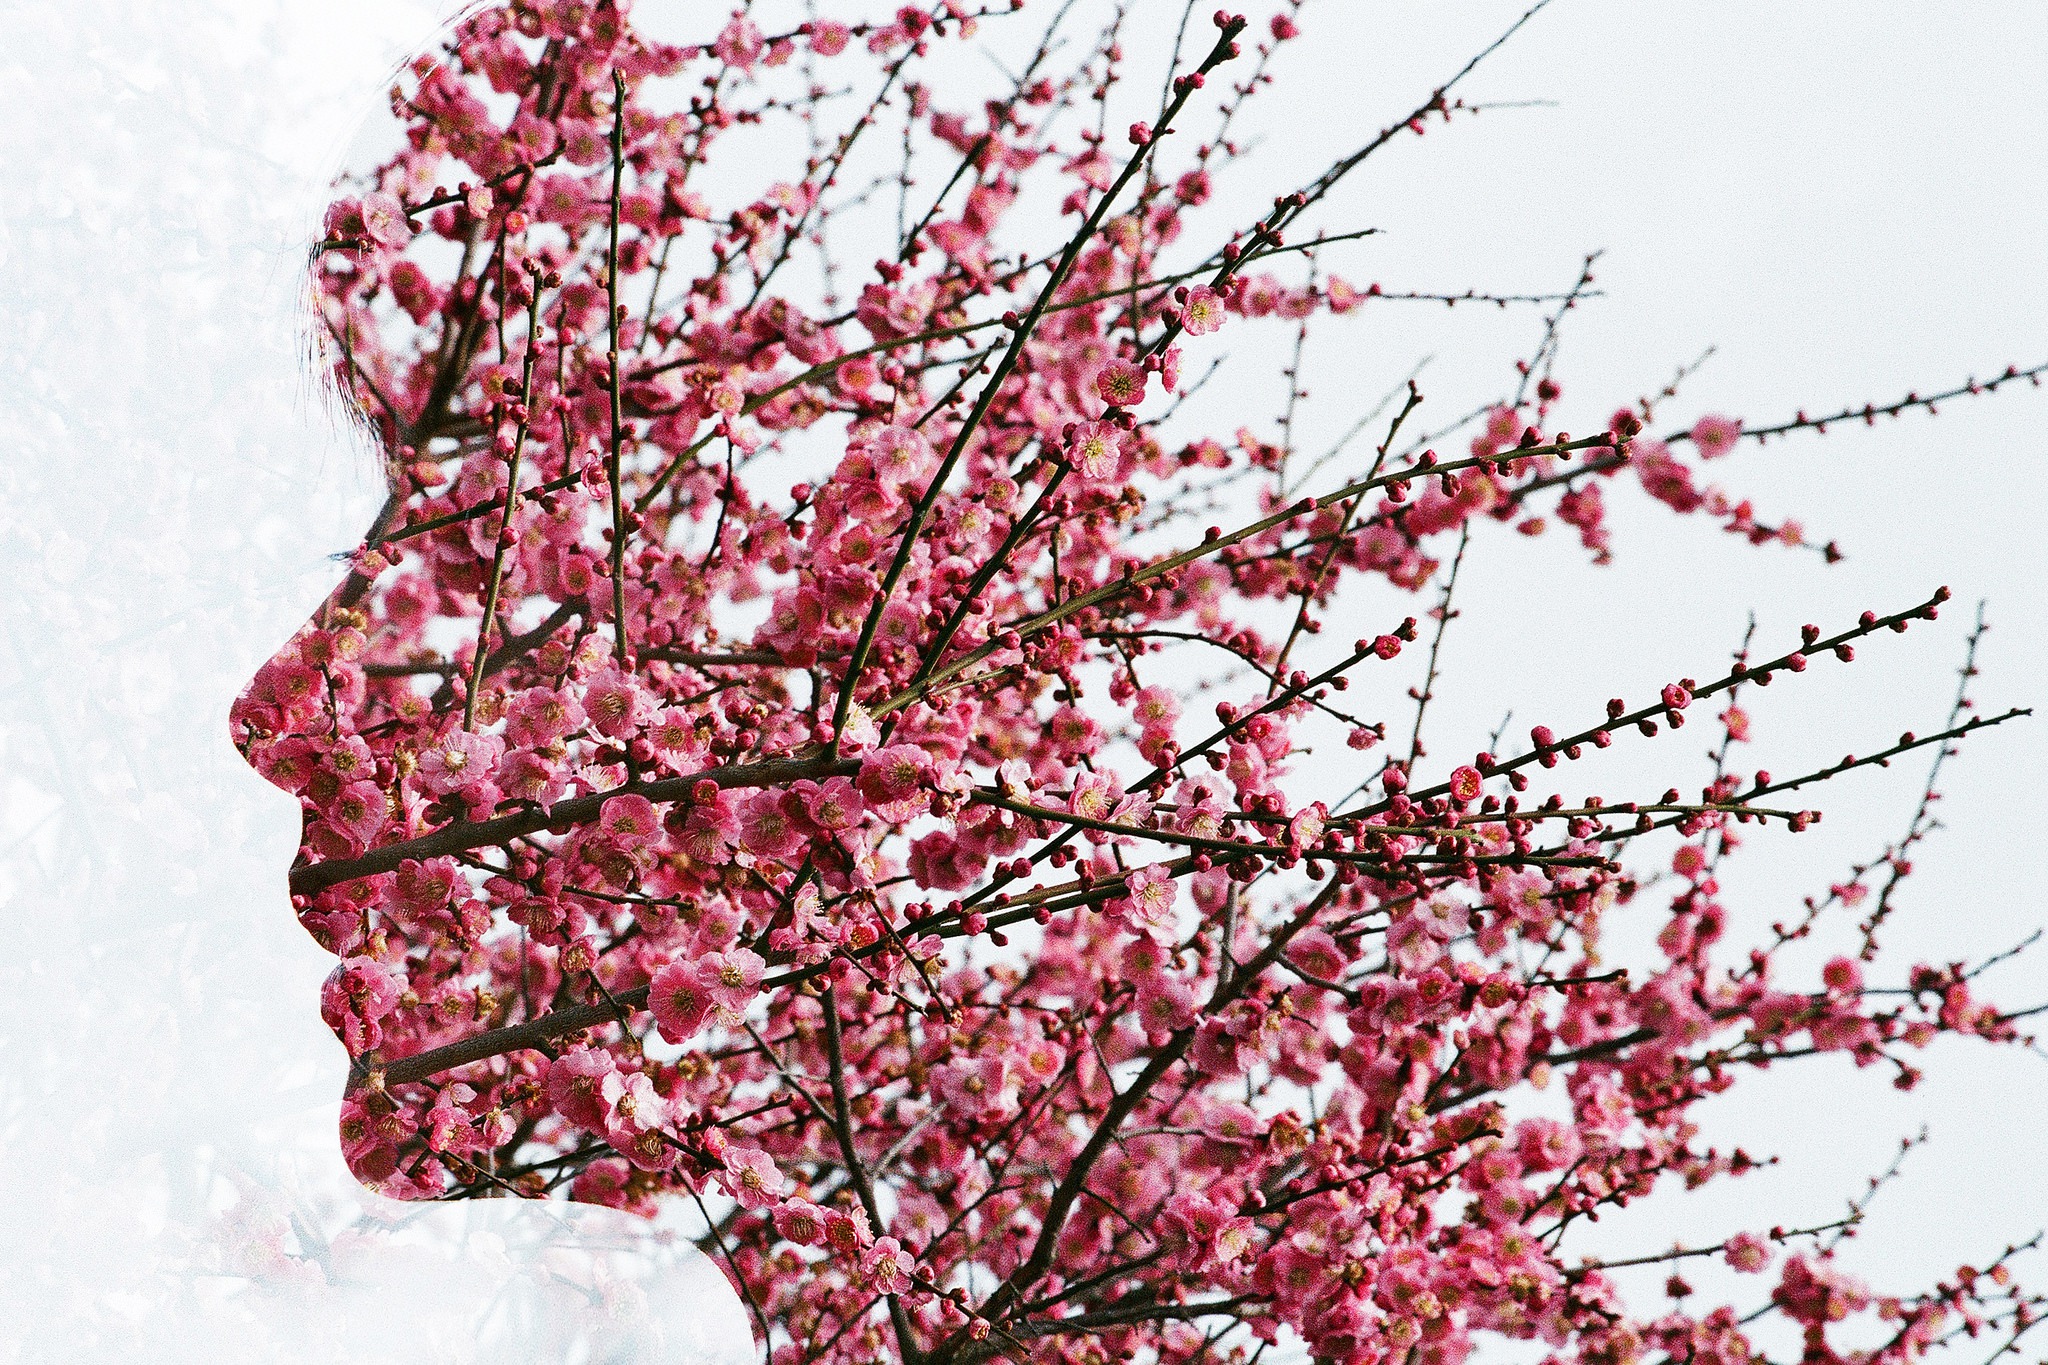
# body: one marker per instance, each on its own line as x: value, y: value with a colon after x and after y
x: 1715, y: 436
x: 793, y: 624
x: 631, y: 1101
x: 679, y: 1000
x: 384, y: 220
x: 1155, y: 708
x: 834, y: 804
x: 1097, y: 451
x: 846, y: 1231
x: 1147, y: 906
x: 605, y: 1182
x: 1165, y: 1003
x: 894, y: 781
x: 1191, y: 1221
x: 448, y: 1126
x: 750, y: 1176
x: 1121, y: 384
x: 526, y: 776
x: 941, y: 862
x: 1545, y: 1144
x: 1203, y: 313
x: 630, y: 821
x: 648, y: 1149
x: 829, y: 37
x: 1411, y: 944
x: 766, y: 830
x: 673, y: 733
x: 887, y: 1267
x: 1095, y: 797
x: 360, y: 811
x: 614, y: 703
x: 575, y: 1086
x: 541, y: 717
x: 457, y: 759
x: 1746, y: 1253
x: 973, y: 1086
x: 800, y: 1221
x: 1818, y: 1292
x: 740, y: 44
x: 901, y: 455
x: 1665, y: 479
x: 733, y: 978
x: 358, y: 995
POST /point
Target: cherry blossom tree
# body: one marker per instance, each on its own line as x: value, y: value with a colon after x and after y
x: 750, y: 763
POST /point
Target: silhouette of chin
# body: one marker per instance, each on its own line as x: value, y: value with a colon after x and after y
x: 497, y: 1280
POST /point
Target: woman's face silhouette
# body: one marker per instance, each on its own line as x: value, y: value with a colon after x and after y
x: 453, y: 714
x: 533, y: 775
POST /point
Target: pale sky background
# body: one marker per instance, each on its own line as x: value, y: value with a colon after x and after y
x: 1845, y: 199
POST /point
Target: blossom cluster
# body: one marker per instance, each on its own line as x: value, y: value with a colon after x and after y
x: 985, y: 995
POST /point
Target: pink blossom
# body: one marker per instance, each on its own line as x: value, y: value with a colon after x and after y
x: 360, y: 810
x: 615, y: 703
x: 829, y: 37
x: 1665, y: 479
x: 732, y: 978
x: 751, y: 1177
x: 1746, y: 1252
x: 974, y: 1086
x: 1411, y: 944
x: 526, y: 776
x: 886, y: 1267
x: 457, y: 759
x: 630, y: 821
x: 358, y: 996
x: 1203, y: 312
x: 1147, y: 908
x: 739, y: 44
x: 1097, y: 797
x: 680, y: 1001
x: 1121, y: 384
x: 637, y: 1119
x: 942, y: 862
x: 800, y: 1221
x: 1099, y: 455
x: 893, y: 781
x: 542, y: 717
x: 384, y: 219
x: 766, y: 829
x: 575, y: 1085
x: 1714, y: 437
x: 846, y: 1231
x: 901, y: 455
x: 834, y: 804
x: 1155, y: 707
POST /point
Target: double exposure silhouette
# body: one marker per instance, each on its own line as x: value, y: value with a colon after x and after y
x: 751, y: 764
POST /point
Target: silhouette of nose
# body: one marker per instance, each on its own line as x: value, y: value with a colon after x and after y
x: 289, y: 704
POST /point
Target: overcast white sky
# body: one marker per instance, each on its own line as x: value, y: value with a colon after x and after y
x: 1844, y: 198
